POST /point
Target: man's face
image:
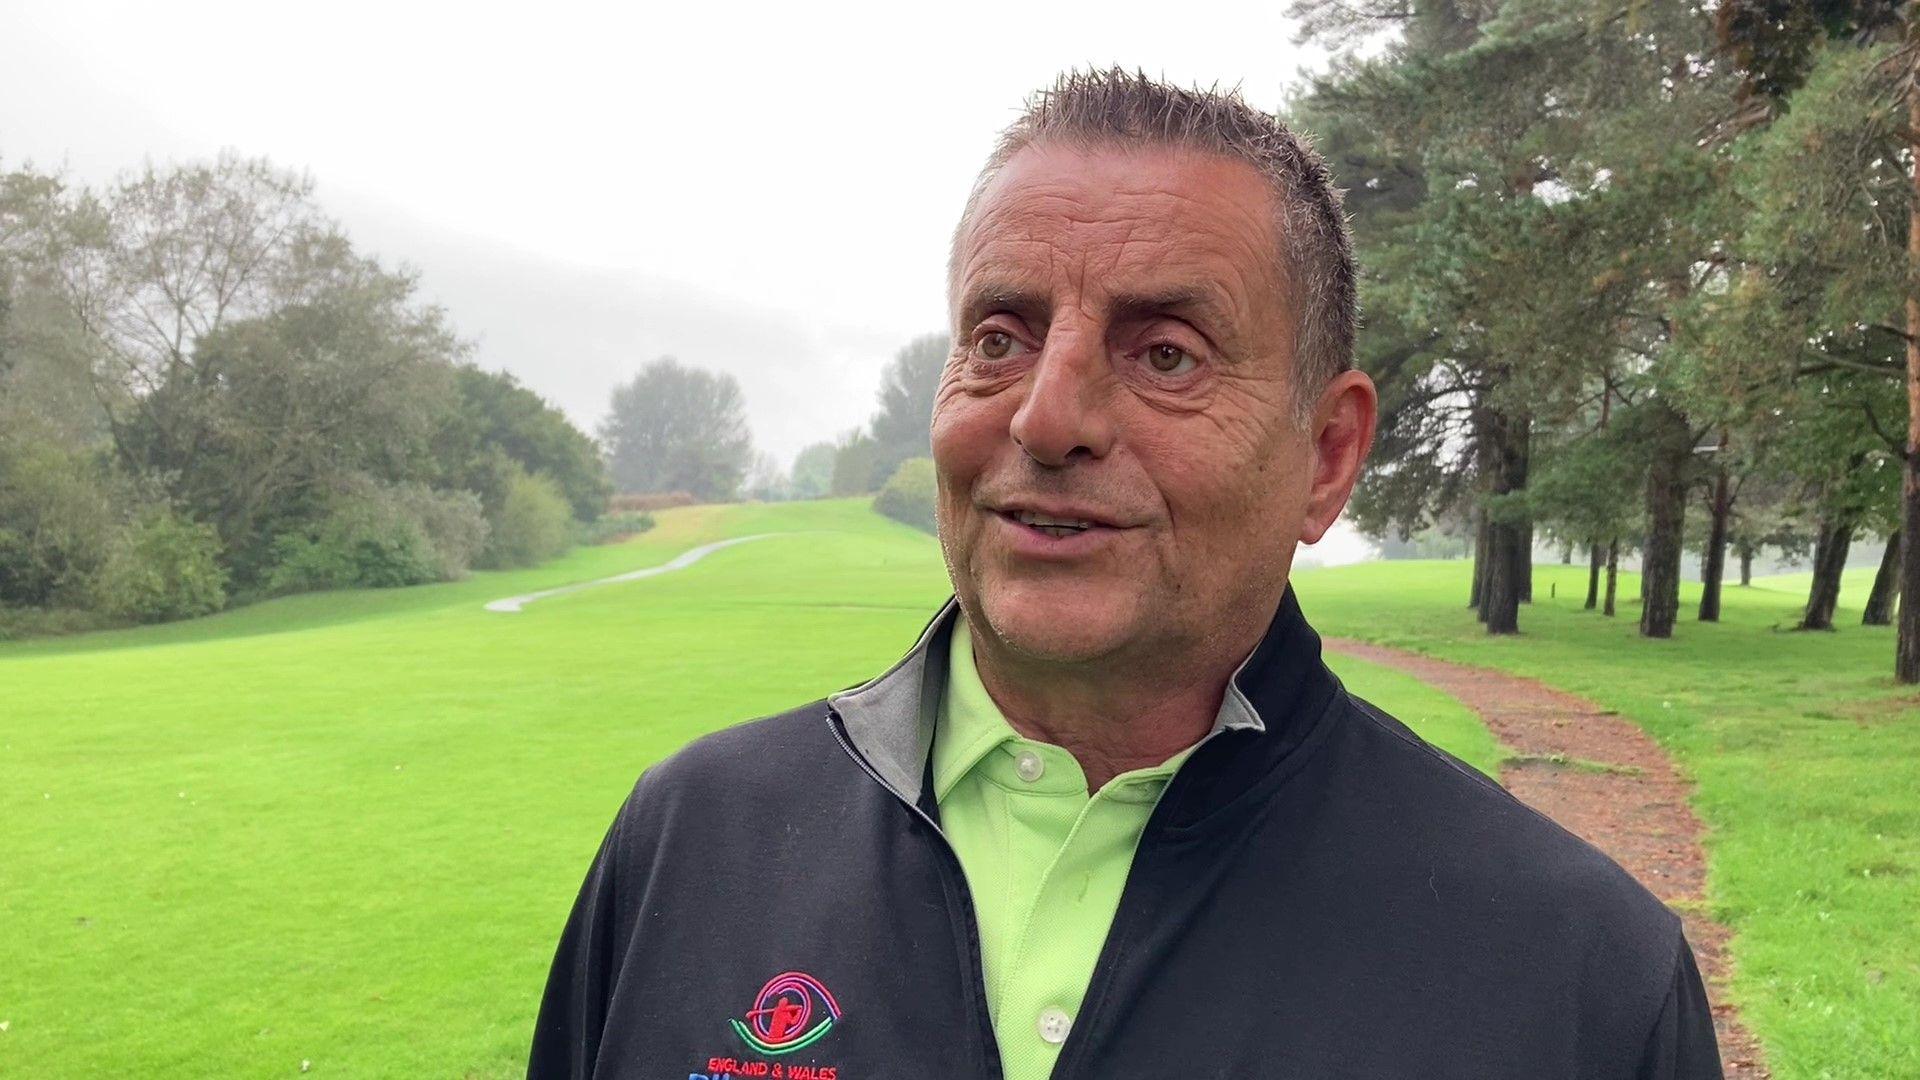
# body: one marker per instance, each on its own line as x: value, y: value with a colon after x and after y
x: 1123, y: 359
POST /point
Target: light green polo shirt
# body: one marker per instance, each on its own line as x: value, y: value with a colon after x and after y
x: 1044, y: 861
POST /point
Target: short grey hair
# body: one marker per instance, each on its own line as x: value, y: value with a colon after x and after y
x: 1112, y: 107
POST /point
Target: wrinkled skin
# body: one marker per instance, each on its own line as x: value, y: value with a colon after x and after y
x: 1123, y: 354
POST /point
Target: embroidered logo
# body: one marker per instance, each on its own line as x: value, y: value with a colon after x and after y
x: 793, y: 1010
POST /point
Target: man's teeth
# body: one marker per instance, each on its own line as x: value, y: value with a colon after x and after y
x: 1042, y: 521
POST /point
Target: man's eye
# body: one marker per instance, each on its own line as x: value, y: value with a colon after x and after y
x: 997, y: 345
x: 1170, y: 359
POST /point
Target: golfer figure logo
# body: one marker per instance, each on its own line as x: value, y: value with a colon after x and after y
x: 793, y: 1011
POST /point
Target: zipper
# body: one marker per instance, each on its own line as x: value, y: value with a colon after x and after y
x: 1099, y: 983
x: 956, y: 874
x: 1125, y: 915
x: 1103, y: 966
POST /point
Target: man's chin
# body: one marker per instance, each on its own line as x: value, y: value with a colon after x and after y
x: 1061, y: 625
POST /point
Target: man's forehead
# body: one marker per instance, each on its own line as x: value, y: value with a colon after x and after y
x: 1146, y: 220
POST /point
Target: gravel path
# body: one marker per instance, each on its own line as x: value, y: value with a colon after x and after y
x: 680, y: 562
x: 1607, y: 781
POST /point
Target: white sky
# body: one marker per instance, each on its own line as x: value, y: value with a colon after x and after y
x: 760, y: 189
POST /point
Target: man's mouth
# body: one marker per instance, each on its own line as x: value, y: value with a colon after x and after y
x: 1051, y: 526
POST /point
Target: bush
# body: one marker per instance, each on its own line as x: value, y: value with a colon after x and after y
x: 534, y: 525
x: 162, y: 567
x: 382, y: 537
x: 19, y: 624
x: 455, y: 524
x: 353, y: 549
x: 908, y: 495
x: 649, y: 501
x: 612, y: 528
x: 30, y: 572
x: 57, y: 518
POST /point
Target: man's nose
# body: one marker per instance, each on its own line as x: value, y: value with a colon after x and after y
x: 1065, y: 415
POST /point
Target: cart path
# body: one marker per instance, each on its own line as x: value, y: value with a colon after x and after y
x: 1635, y: 808
x: 679, y: 562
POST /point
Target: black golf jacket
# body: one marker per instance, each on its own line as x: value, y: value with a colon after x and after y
x: 1318, y: 893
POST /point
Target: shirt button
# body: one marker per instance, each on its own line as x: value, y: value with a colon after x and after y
x: 1030, y: 766
x: 1054, y: 1024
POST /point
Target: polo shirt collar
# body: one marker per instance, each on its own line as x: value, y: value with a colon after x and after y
x: 972, y: 727
x: 889, y: 721
x: 971, y: 724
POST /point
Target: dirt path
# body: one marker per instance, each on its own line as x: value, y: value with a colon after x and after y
x: 1609, y: 782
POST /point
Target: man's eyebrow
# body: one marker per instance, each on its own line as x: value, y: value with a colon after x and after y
x: 980, y: 301
x: 1196, y: 303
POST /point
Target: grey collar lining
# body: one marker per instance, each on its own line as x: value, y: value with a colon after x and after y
x: 890, y: 719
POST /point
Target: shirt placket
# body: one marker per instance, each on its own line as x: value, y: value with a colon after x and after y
x: 1043, y: 988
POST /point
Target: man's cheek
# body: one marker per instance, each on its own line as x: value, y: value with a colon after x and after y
x: 966, y: 434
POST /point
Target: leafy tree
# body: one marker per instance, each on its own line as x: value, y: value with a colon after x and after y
x: 61, y: 504
x: 677, y: 428
x: 170, y: 255
x: 766, y: 481
x: 813, y: 471
x: 277, y: 413
x: 857, y: 462
x: 903, y: 426
x: 496, y: 423
x: 1586, y: 492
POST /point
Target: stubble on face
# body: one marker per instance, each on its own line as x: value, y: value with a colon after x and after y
x: 1080, y: 275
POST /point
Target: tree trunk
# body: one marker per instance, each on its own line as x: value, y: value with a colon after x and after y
x: 1906, y: 661
x: 1906, y: 656
x: 1504, y: 444
x: 1613, y: 573
x: 1500, y: 601
x: 1500, y: 606
x: 1666, y: 520
x: 1829, y: 559
x: 1526, y: 564
x: 1880, y: 602
x: 1746, y: 564
x: 1713, y: 563
x: 1482, y: 519
x: 1593, y: 575
x: 1479, y: 563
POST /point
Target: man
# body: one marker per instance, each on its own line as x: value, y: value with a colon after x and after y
x: 1111, y: 816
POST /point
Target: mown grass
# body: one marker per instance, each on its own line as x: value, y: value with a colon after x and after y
x: 1807, y: 760
x: 344, y: 829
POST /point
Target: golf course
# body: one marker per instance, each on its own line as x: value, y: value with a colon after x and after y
x: 338, y: 833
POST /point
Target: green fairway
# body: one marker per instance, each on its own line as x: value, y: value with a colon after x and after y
x: 344, y: 829
x: 1805, y: 753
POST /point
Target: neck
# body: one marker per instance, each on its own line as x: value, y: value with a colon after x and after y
x: 1117, y: 713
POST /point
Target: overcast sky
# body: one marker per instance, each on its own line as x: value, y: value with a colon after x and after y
x: 586, y: 187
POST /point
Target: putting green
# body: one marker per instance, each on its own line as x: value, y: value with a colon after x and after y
x: 344, y: 829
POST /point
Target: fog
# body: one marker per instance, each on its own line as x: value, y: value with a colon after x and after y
x: 765, y: 191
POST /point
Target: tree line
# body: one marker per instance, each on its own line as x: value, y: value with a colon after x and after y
x: 207, y: 394
x: 1636, y: 278
x: 675, y: 428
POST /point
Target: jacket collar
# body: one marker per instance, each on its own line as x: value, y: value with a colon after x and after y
x: 1282, y: 687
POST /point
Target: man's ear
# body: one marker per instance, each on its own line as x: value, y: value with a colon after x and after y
x: 1341, y: 432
